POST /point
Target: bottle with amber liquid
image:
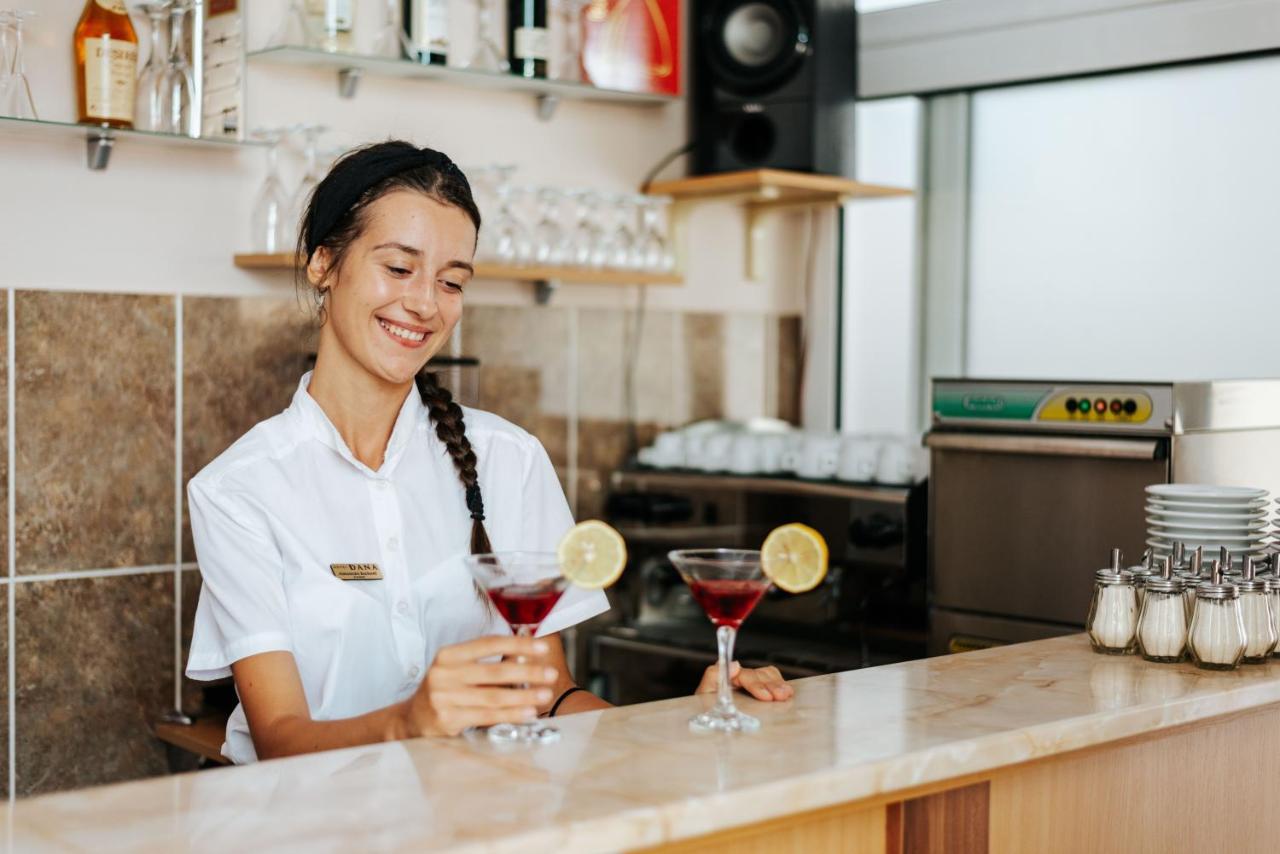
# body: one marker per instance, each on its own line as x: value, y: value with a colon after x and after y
x: 106, y: 49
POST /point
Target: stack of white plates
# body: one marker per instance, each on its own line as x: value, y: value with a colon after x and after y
x: 1199, y: 515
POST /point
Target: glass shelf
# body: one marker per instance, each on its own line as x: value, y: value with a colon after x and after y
x: 101, y: 139
x: 381, y: 66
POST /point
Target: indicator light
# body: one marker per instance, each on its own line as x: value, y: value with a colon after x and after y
x: 1116, y: 406
x: 1072, y: 406
x: 1100, y: 407
x: 1130, y: 406
x: 1085, y: 406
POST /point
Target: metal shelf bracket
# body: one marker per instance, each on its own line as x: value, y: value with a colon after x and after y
x: 98, y: 143
x: 348, y: 82
x: 547, y: 105
x: 543, y: 289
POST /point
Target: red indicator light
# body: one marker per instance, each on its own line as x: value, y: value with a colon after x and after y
x: 1116, y: 406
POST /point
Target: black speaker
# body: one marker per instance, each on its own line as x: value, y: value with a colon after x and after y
x: 774, y: 85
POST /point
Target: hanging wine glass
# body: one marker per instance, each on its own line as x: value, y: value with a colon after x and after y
x: 178, y: 85
x: 294, y: 29
x: 586, y: 230
x: 621, y: 251
x: 487, y: 55
x: 270, y: 217
x: 149, y: 108
x: 15, y: 90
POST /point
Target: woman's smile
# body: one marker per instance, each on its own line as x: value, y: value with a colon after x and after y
x: 404, y: 334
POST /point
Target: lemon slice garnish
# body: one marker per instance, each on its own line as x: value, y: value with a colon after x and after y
x: 592, y: 554
x: 794, y: 557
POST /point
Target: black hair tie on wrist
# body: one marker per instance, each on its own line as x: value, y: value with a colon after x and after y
x: 556, y: 706
x: 475, y: 503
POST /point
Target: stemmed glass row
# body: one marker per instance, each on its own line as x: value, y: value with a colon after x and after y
x: 166, y: 96
x: 551, y: 226
x: 276, y: 212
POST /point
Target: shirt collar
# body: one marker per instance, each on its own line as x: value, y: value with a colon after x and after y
x: 314, y: 419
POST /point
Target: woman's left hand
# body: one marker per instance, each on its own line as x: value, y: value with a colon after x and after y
x: 763, y: 683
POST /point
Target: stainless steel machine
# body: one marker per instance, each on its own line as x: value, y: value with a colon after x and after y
x: 1031, y: 483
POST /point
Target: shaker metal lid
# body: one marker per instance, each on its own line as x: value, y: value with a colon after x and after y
x: 1156, y: 584
x: 1209, y: 590
x: 1249, y: 585
x: 1114, y: 576
x: 1271, y: 582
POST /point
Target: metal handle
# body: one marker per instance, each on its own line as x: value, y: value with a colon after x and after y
x: 1053, y: 446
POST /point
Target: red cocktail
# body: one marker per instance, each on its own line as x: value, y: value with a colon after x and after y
x: 523, y: 587
x: 727, y: 583
x: 525, y: 606
x: 727, y: 601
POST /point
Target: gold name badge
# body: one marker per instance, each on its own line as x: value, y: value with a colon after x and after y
x: 356, y: 571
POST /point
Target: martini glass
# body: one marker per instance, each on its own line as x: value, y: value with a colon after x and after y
x: 523, y: 587
x: 727, y: 583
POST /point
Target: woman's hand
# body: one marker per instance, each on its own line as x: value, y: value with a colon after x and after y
x: 461, y: 691
x: 763, y: 683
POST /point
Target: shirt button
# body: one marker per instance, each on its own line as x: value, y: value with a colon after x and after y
x: 381, y: 485
x: 393, y: 543
x: 403, y: 608
x: 414, y: 671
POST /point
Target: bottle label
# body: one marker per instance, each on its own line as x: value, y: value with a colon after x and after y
x: 116, y: 6
x: 532, y: 43
x: 110, y: 69
x: 430, y: 26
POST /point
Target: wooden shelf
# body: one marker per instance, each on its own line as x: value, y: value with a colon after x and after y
x: 772, y: 187
x: 761, y: 192
x: 575, y: 275
x: 351, y: 66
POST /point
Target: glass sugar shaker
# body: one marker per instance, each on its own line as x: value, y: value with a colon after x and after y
x: 1191, y: 578
x: 1255, y: 611
x: 1141, y: 572
x: 1113, y: 613
x: 1272, y: 586
x: 1217, y: 628
x: 1162, y: 621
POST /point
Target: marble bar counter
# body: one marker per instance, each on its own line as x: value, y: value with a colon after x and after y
x: 1042, y: 747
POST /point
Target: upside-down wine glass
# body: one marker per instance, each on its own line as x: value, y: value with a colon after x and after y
x: 178, y: 86
x: 523, y: 587
x: 727, y: 583
x: 270, y: 211
x: 149, y: 108
x: 15, y: 90
x: 295, y: 28
x: 550, y: 245
x: 312, y: 173
x: 569, y: 56
x: 487, y: 56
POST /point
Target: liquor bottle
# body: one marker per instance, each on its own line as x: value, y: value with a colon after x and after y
x: 528, y: 41
x: 426, y: 23
x: 106, y: 52
x: 331, y: 21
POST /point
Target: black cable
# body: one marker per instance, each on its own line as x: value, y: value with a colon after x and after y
x: 666, y: 161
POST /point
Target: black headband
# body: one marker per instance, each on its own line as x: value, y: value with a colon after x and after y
x: 358, y: 173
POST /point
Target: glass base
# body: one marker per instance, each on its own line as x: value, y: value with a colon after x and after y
x: 535, y: 733
x: 723, y: 721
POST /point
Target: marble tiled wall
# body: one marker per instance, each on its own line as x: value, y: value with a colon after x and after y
x: 103, y: 585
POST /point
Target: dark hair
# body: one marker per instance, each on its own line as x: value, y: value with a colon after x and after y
x: 337, y: 214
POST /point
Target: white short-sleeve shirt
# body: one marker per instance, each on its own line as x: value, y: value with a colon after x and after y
x: 288, y: 499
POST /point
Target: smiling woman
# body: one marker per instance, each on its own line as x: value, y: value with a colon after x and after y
x: 330, y: 538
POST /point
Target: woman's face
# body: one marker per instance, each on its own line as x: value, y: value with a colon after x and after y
x: 395, y: 300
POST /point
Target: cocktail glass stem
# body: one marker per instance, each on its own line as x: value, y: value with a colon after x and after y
x: 725, y: 636
x: 526, y: 733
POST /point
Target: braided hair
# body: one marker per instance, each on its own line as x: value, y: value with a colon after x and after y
x: 336, y: 215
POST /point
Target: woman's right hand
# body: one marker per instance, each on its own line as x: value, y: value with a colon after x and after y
x: 460, y: 690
